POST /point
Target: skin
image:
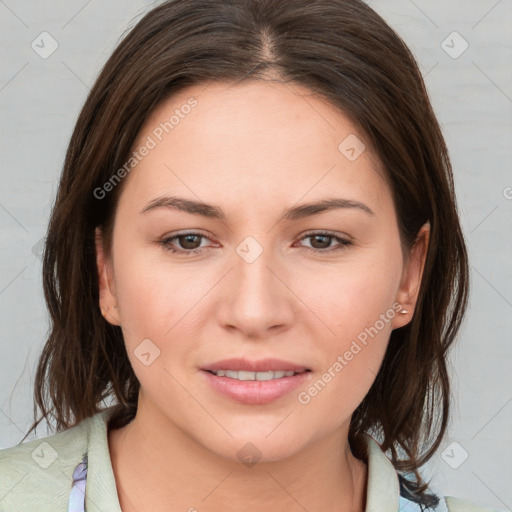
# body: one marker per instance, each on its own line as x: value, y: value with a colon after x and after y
x: 252, y: 149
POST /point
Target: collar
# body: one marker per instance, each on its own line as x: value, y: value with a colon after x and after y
x: 383, y: 491
x: 101, y: 490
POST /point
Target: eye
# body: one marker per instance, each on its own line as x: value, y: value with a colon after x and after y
x: 321, y: 241
x: 188, y: 242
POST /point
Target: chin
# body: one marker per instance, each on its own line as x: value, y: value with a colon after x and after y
x: 252, y: 446
x: 253, y: 450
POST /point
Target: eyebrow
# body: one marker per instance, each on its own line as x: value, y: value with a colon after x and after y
x: 215, y: 212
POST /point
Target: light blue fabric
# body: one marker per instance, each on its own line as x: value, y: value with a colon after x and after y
x: 406, y: 505
x: 77, y: 494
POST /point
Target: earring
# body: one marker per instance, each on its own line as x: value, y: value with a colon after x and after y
x: 404, y: 312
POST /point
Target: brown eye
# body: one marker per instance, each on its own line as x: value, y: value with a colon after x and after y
x: 189, y: 241
x: 186, y: 243
x: 322, y: 242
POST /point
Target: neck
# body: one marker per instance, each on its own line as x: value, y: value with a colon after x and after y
x: 157, y: 466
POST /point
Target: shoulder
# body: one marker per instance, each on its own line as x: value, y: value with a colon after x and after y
x: 457, y: 505
x: 446, y: 504
x: 386, y: 491
x: 37, y: 475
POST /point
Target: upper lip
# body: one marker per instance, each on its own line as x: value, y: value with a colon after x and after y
x: 262, y: 365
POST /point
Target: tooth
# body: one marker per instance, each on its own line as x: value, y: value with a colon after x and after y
x: 244, y: 375
x: 260, y: 376
x: 264, y: 375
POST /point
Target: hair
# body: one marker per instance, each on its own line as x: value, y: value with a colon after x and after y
x: 342, y: 51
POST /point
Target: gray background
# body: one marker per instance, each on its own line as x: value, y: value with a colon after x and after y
x: 471, y: 92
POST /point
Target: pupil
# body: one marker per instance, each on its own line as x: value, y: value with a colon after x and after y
x: 188, y: 240
x: 326, y: 238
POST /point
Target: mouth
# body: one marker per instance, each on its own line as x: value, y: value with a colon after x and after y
x: 255, y: 382
x: 245, y: 375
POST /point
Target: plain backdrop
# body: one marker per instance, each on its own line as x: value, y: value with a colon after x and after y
x: 464, y: 49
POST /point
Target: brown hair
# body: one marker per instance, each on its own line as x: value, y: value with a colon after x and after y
x: 342, y: 51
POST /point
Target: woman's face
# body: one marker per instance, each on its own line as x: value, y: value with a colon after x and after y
x: 251, y: 282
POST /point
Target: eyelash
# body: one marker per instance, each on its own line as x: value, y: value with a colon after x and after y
x: 344, y: 243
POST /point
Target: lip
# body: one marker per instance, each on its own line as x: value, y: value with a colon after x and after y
x: 262, y: 365
x: 255, y: 392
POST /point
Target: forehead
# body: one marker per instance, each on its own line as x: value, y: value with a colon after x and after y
x: 263, y: 110
x: 263, y: 139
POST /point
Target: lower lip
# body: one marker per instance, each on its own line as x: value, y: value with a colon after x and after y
x: 255, y: 392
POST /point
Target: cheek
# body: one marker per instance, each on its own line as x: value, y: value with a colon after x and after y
x: 351, y: 357
x: 147, y: 289
x: 356, y: 309
x: 159, y: 301
x: 349, y: 297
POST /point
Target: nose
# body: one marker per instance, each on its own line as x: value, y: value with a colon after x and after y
x: 257, y: 299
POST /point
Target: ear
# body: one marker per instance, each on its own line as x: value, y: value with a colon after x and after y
x: 108, y: 299
x: 412, y: 273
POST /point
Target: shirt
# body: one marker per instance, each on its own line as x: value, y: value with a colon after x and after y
x: 71, y: 471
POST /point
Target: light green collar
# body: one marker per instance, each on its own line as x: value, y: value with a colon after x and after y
x: 383, y: 488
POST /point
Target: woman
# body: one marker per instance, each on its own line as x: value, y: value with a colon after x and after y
x: 255, y: 253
